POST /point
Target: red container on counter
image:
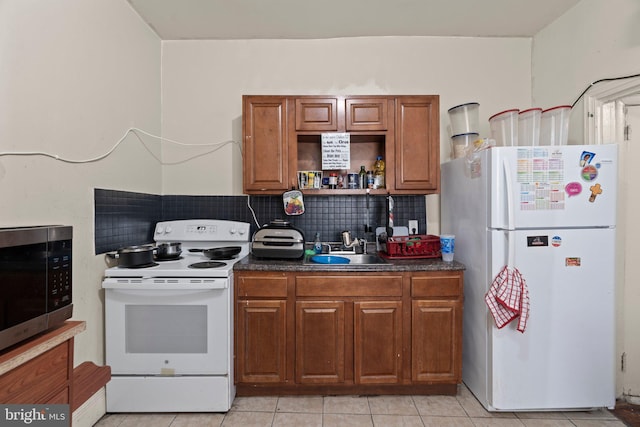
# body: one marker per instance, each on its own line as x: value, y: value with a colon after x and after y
x: 415, y: 246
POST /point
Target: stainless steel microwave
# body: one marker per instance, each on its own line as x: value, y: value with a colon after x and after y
x: 35, y: 281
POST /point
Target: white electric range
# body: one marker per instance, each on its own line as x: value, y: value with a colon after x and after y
x: 169, y: 326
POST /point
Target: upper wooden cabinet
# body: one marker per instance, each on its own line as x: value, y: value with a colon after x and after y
x: 363, y: 114
x: 265, y: 145
x: 319, y: 114
x: 417, y: 144
x: 282, y: 135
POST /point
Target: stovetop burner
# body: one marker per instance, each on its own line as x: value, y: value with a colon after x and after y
x: 208, y: 264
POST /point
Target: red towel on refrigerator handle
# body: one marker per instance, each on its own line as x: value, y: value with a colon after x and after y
x: 508, y: 298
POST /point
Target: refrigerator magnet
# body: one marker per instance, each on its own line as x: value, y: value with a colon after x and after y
x: 595, y: 190
x: 572, y: 262
x: 556, y: 241
x: 533, y: 241
x: 573, y: 188
x: 586, y: 157
x: 589, y: 173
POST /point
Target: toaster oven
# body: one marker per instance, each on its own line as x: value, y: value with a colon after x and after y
x: 279, y: 239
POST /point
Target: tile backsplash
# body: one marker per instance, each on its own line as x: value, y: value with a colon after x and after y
x: 125, y: 218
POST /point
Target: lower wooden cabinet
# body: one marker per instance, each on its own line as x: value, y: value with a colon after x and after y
x: 45, y: 379
x: 261, y: 328
x: 40, y: 369
x: 261, y: 348
x: 377, y: 342
x: 348, y: 333
x: 435, y: 343
x: 320, y: 342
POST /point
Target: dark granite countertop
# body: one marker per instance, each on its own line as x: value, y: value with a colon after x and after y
x: 252, y: 263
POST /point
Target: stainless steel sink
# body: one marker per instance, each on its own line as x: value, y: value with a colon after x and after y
x: 333, y: 259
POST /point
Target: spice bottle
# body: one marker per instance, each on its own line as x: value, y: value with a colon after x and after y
x: 333, y: 181
x: 370, y: 179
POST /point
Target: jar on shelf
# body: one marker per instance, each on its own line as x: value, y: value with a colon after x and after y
x: 370, y: 179
x: 378, y: 173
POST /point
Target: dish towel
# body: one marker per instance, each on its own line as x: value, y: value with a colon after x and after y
x: 508, y: 298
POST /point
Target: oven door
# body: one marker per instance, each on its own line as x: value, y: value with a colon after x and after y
x: 168, y: 332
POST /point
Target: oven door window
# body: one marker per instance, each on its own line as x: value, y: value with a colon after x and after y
x: 165, y: 328
x: 168, y: 332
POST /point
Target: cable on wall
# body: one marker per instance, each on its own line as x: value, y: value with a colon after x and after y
x: 136, y: 132
x: 611, y: 79
x: 253, y: 213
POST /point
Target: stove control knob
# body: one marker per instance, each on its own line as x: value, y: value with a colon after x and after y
x: 159, y: 230
x: 168, y: 230
x: 241, y: 231
x: 232, y: 231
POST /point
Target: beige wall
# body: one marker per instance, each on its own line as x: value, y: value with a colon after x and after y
x: 202, y: 101
x: 596, y: 40
x: 74, y: 75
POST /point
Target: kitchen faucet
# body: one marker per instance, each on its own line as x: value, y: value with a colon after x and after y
x: 347, y: 243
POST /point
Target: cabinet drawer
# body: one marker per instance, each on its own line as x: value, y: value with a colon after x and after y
x: 348, y: 286
x: 34, y: 380
x: 261, y: 286
x: 317, y: 114
x: 436, y: 286
x: 366, y: 114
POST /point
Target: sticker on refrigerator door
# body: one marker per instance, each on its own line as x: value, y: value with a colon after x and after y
x: 533, y: 241
x: 573, y: 188
x: 556, y: 241
x: 572, y: 262
x: 595, y: 190
x: 586, y: 157
x: 589, y: 173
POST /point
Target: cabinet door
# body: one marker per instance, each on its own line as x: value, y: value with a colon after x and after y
x: 320, y: 343
x: 261, y: 341
x: 436, y: 337
x: 320, y: 114
x: 417, y: 143
x: 366, y: 114
x: 44, y: 379
x: 378, y: 342
x: 265, y: 144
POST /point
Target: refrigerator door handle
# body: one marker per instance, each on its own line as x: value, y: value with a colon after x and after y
x: 509, y: 196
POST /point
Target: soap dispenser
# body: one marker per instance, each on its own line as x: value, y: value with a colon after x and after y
x: 317, y: 244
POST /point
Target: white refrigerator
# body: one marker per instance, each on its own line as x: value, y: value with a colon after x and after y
x: 557, y: 205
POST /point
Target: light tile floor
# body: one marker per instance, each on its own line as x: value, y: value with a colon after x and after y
x: 462, y: 410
